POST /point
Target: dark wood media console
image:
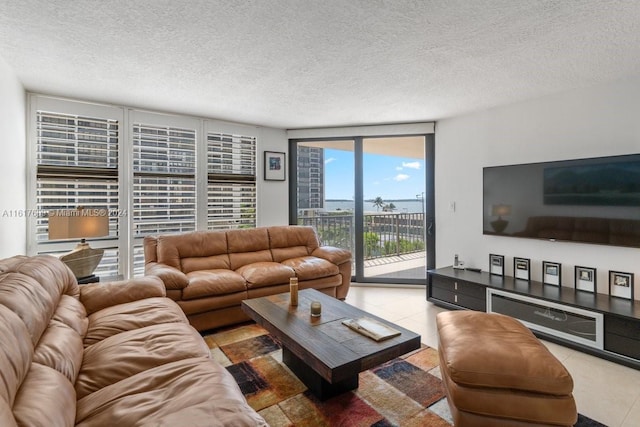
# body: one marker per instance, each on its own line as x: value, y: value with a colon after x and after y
x: 604, y: 326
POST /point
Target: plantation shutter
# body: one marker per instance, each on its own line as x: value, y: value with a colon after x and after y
x: 77, y: 165
x: 231, y: 181
x: 162, y: 173
x: 164, y: 184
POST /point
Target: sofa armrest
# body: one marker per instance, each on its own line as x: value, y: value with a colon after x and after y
x: 96, y: 296
x: 332, y: 254
x: 171, y: 276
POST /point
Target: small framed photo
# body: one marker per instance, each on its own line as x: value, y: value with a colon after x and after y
x: 621, y: 284
x: 585, y: 279
x: 274, y: 166
x: 551, y: 273
x: 521, y: 268
x: 496, y: 264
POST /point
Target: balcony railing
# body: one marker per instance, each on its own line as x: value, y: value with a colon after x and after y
x: 385, y: 234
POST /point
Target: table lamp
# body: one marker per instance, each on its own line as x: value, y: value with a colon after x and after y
x: 80, y: 223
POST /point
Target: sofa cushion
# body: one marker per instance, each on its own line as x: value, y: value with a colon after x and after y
x: 213, y: 282
x: 200, y: 250
x: 133, y: 315
x: 29, y: 300
x: 332, y: 254
x: 15, y: 359
x: 290, y: 241
x: 6, y: 416
x: 309, y: 267
x: 129, y: 353
x: 247, y: 246
x: 46, y: 398
x: 211, y: 262
x: 259, y: 274
x: 215, y: 302
x: 173, y: 248
x: 72, y: 313
x: 60, y: 348
x: 174, y: 394
x: 95, y: 298
x: 325, y: 284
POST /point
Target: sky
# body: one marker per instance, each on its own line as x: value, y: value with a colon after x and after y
x: 387, y: 177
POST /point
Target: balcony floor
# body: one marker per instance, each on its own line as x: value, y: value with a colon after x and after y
x: 406, y: 266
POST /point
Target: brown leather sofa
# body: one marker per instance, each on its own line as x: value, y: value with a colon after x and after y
x: 495, y: 372
x: 209, y: 273
x: 111, y: 354
x: 611, y: 231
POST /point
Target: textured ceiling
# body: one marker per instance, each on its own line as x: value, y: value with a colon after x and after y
x: 309, y: 63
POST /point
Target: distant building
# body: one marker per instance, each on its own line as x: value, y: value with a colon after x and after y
x: 310, y: 177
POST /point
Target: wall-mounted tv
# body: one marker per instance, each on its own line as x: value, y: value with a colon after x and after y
x: 595, y: 200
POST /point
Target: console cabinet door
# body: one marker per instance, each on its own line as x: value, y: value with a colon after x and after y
x: 622, y: 336
x: 460, y: 293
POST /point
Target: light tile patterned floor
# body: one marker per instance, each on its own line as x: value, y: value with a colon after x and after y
x: 605, y: 391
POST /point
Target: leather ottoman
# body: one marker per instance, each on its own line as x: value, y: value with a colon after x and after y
x: 497, y: 373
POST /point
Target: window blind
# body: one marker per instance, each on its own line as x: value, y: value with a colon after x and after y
x: 231, y: 187
x: 231, y: 154
x: 164, y: 184
x: 78, y: 153
x: 77, y: 165
x: 231, y: 205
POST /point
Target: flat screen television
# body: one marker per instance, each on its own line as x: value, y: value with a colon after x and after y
x: 595, y: 200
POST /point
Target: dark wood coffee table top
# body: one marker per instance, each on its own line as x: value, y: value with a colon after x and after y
x: 334, y: 351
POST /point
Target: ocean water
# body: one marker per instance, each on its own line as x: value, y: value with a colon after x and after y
x: 402, y: 206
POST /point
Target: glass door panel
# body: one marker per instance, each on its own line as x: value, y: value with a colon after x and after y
x: 325, y: 191
x: 372, y: 196
x: 393, y: 206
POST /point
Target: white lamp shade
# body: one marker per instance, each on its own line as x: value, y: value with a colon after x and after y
x: 78, y: 223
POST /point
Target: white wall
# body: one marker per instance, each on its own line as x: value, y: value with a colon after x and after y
x: 12, y: 164
x: 597, y: 121
x: 273, y: 196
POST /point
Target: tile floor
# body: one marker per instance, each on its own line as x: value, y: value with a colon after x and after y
x: 604, y: 391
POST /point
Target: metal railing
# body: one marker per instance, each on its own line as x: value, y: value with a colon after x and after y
x: 385, y: 234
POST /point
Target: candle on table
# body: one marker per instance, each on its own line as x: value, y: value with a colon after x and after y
x: 316, y: 308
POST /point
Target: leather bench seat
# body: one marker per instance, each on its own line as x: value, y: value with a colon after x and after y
x: 497, y: 373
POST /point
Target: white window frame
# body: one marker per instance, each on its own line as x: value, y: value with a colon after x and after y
x: 42, y: 103
x: 126, y: 117
x: 218, y: 127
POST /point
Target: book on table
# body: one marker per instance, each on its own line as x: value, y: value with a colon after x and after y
x: 371, y: 328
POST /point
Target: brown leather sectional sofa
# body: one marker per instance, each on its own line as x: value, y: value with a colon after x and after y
x: 109, y: 354
x: 209, y: 273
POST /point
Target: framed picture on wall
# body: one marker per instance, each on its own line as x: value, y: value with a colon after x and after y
x: 274, y: 166
x: 585, y: 279
x: 551, y: 273
x: 496, y: 264
x: 521, y: 268
x: 621, y: 284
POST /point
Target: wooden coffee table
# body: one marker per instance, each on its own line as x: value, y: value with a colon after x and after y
x: 323, y: 353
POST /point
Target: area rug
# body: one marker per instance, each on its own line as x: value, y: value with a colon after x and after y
x: 406, y: 391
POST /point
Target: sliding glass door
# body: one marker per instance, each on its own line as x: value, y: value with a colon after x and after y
x: 393, y: 208
x: 372, y: 196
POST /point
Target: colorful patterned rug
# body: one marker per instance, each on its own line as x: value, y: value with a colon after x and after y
x: 406, y: 391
